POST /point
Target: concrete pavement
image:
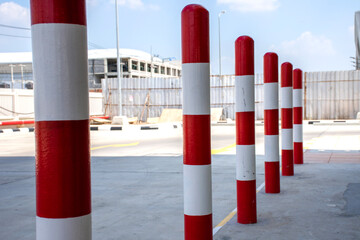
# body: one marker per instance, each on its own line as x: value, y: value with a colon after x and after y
x: 137, y: 189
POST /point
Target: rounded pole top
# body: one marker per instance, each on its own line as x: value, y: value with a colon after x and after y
x: 195, y: 34
x: 54, y: 11
x: 244, y: 56
x: 286, y: 74
x: 271, y: 71
x: 297, y: 78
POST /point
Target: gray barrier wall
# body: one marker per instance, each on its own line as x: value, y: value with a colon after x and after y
x: 326, y: 95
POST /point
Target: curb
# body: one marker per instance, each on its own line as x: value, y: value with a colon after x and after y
x: 334, y: 122
x: 106, y: 128
x: 31, y: 129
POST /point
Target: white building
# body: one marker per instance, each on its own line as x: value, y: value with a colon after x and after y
x: 16, y: 68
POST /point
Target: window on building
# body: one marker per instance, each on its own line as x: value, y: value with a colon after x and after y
x: 179, y: 73
x: 168, y: 71
x: 149, y: 67
x: 134, y: 65
x: 112, y: 67
x: 156, y: 69
x: 125, y: 65
x: 162, y: 70
x: 142, y: 66
x: 174, y: 72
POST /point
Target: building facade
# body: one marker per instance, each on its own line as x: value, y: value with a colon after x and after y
x: 16, y: 68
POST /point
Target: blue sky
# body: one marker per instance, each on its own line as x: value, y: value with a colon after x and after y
x: 315, y: 35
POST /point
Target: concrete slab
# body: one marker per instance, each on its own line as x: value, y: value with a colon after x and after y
x: 319, y: 202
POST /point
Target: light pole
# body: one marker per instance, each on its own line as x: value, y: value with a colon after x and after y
x: 118, y: 56
x: 221, y: 13
x: 22, y: 75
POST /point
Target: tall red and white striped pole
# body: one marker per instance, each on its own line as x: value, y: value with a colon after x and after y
x: 271, y: 123
x: 196, y: 120
x: 287, y: 161
x: 245, y: 130
x: 297, y: 110
x: 59, y: 45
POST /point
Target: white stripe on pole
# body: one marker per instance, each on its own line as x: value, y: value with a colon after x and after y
x: 196, y: 87
x: 78, y: 228
x: 271, y: 92
x: 197, y: 190
x: 53, y: 94
x: 245, y: 169
x: 271, y: 148
x: 287, y: 139
x: 298, y: 132
x: 297, y: 98
x: 286, y: 97
x: 244, y: 87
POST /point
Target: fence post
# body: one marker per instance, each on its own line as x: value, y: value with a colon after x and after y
x: 287, y: 161
x: 271, y: 123
x: 196, y: 120
x: 59, y: 43
x: 297, y: 114
x: 245, y: 130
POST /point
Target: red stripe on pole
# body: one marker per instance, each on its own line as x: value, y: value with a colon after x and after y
x: 245, y: 128
x: 271, y: 122
x: 246, y: 201
x: 198, y: 227
x: 271, y: 67
x: 272, y: 177
x: 62, y: 169
x: 195, y: 34
x: 298, y: 153
x: 287, y: 162
x: 297, y: 78
x: 197, y: 139
x: 286, y: 74
x: 297, y: 115
x: 62, y: 11
x: 244, y: 56
x: 286, y: 118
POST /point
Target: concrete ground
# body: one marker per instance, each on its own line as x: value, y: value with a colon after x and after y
x: 137, y: 186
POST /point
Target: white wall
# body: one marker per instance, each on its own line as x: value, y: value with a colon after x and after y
x: 20, y: 103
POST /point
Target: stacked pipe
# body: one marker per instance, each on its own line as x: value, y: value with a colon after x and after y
x: 271, y: 123
x: 59, y: 44
x: 196, y: 120
x: 245, y: 130
x: 297, y: 110
x: 287, y: 161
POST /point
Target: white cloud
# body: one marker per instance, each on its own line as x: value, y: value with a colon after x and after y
x: 351, y: 29
x: 251, y: 5
x: 308, y: 44
x: 14, y: 14
x: 309, y: 51
x: 137, y: 5
x: 92, y: 2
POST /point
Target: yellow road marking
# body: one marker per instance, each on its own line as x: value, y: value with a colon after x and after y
x: 226, y: 219
x: 224, y: 149
x: 116, y: 145
x: 231, y: 215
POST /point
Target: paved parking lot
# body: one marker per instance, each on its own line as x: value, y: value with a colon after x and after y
x: 137, y: 186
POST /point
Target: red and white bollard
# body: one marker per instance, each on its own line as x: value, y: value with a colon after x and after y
x: 63, y: 194
x: 297, y: 110
x: 271, y: 123
x: 287, y: 161
x: 196, y: 120
x: 245, y: 130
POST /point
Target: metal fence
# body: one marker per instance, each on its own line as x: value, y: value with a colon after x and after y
x: 331, y: 95
x: 326, y: 95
